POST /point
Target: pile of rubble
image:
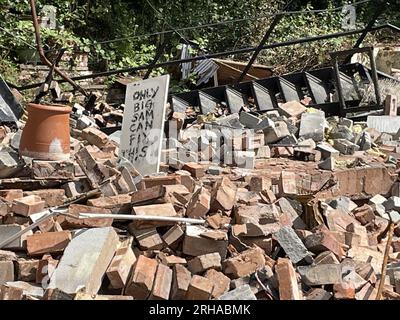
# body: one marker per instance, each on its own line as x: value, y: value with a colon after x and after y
x: 297, y: 207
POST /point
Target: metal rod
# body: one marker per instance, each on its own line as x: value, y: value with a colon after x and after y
x: 253, y: 58
x: 342, y: 102
x: 42, y: 55
x: 375, y: 77
x: 219, y: 54
x: 160, y: 51
x: 138, y: 217
x: 49, y: 77
x: 385, y: 260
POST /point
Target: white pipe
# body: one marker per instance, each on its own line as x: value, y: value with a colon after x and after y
x: 136, y: 217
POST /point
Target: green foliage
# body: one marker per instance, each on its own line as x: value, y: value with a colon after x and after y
x: 92, y: 25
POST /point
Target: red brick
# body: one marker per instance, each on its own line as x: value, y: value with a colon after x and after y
x: 204, y: 262
x: 245, y: 263
x: 46, y: 267
x: 180, y: 282
x: 149, y: 194
x: 160, y: 181
x: 188, y: 182
x: 199, y: 204
x: 118, y: 204
x: 52, y: 197
x: 223, y: 196
x: 218, y: 221
x: 27, y: 269
x: 368, y: 292
x: 10, y: 293
x: 287, y: 183
x: 286, y: 275
x: 324, y: 240
x: 259, y: 184
x: 95, y: 136
x: 196, y: 170
x: 147, y: 239
x: 6, y: 271
x: 28, y: 205
x: 120, y: 267
x: 200, y: 288
x: 364, y: 214
x: 344, y: 291
x: 162, y: 283
x: 162, y: 210
x: 11, y: 194
x: 221, y: 282
x: 141, y: 282
x: 48, y: 242
x: 171, y: 260
x: 75, y: 209
x: 173, y: 236
x: 268, y: 196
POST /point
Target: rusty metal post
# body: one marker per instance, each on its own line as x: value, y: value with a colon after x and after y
x: 42, y: 55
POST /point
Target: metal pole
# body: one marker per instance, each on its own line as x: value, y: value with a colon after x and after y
x: 140, y: 218
x: 42, y: 55
x: 159, y: 53
x: 375, y: 77
x: 385, y: 261
x: 257, y: 51
x: 342, y: 101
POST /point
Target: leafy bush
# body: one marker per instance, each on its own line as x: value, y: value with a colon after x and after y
x: 92, y: 25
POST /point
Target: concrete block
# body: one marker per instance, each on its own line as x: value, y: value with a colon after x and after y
x: 85, y: 261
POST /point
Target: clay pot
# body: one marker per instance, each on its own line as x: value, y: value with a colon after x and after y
x: 46, y: 133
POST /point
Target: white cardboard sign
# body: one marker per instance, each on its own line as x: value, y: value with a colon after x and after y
x: 143, y: 123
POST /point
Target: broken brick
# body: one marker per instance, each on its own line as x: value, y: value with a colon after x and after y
x: 173, y: 235
x: 27, y: 269
x: 147, y: 239
x: 223, y: 196
x: 6, y: 271
x: 196, y: 170
x: 244, y: 264
x: 11, y: 194
x: 28, y: 205
x: 221, y: 282
x: 162, y: 210
x: 344, y: 291
x: 120, y: 267
x: 48, y: 242
x: 199, y: 204
x: 95, y: 136
x: 194, y: 244
x: 202, y: 263
x: 180, y: 282
x: 287, y: 183
x: 141, y: 282
x: 162, y: 283
x: 51, y: 197
x: 200, y: 288
x: 286, y: 275
x: 75, y: 209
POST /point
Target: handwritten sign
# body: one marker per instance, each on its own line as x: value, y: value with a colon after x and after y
x: 143, y: 123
